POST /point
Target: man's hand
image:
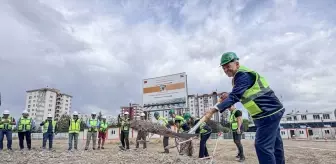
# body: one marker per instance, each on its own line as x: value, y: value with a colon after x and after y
x: 238, y: 131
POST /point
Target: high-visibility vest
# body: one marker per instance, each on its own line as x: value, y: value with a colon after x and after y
x: 6, y: 126
x: 259, y: 88
x: 103, y: 127
x: 125, y: 124
x: 182, y: 121
x: 164, y: 120
x: 24, y: 124
x: 233, y: 120
x: 74, y: 126
x: 93, y: 123
x: 46, y: 125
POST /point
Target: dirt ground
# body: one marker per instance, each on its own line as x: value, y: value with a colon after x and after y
x: 297, y: 152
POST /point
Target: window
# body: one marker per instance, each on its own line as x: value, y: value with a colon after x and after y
x: 303, y: 117
x: 289, y: 118
x: 33, y: 110
x: 34, y: 100
x: 28, y: 106
x: 316, y: 117
x: 66, y: 100
x: 50, y: 100
x: 301, y: 132
x: 326, y: 131
x: 49, y: 109
x: 50, y: 105
x: 326, y: 116
x: 34, y: 96
x: 30, y: 97
x: 33, y: 105
x: 28, y: 110
x: 66, y: 105
x: 51, y: 97
x: 67, y: 109
x: 295, y: 118
x: 283, y: 133
x: 29, y: 101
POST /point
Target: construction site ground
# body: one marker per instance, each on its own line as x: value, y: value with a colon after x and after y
x: 296, y: 152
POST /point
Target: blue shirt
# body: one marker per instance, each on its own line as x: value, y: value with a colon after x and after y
x: 268, y: 102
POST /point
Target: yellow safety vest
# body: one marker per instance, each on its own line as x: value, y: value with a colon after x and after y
x: 125, y: 124
x: 259, y: 88
x: 46, y: 125
x: 74, y: 126
x: 6, y: 126
x: 233, y: 120
x: 103, y: 127
x: 93, y: 123
x: 24, y: 124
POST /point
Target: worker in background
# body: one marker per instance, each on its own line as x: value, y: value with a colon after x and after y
x: 6, y: 128
x: 103, y: 128
x: 164, y: 122
x: 24, y: 128
x: 236, y: 122
x: 254, y: 92
x: 141, y: 134
x: 74, y: 129
x: 178, y: 120
x: 205, y: 132
x: 92, y: 124
x: 124, y: 128
x: 49, y: 130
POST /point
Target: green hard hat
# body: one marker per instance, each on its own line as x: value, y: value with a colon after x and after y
x: 227, y: 57
x: 186, y: 116
x: 172, y: 111
x: 156, y: 114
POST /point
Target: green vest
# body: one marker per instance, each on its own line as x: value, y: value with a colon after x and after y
x: 24, y: 124
x: 124, y: 124
x: 233, y: 120
x: 202, y: 129
x: 74, y: 126
x: 259, y: 88
x: 6, y: 126
x: 164, y: 120
x: 93, y: 123
x: 46, y: 125
x: 103, y: 126
x: 182, y: 121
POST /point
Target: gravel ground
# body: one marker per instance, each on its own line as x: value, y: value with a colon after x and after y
x: 297, y: 152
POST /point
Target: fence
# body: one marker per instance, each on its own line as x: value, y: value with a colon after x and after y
x: 113, y: 134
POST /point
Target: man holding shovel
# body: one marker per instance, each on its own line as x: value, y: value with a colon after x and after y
x: 254, y: 92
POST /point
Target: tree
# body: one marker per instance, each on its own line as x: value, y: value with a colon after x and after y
x: 100, y: 115
x: 63, y: 124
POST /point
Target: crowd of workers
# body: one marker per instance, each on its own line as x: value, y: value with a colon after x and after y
x: 249, y: 88
x: 25, y: 125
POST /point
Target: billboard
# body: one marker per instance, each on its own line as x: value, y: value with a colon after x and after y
x: 165, y: 90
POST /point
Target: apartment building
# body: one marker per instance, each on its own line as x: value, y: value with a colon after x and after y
x: 309, y: 124
x: 44, y: 101
x: 198, y: 104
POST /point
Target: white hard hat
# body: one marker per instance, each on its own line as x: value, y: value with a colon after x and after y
x: 75, y: 113
x: 6, y: 112
x: 25, y: 112
x: 104, y: 117
x: 93, y: 113
x: 49, y: 115
x: 142, y: 114
x: 126, y: 113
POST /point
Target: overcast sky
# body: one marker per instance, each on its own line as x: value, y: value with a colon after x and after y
x: 100, y: 50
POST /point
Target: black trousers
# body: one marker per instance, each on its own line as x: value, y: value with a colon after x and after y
x: 237, y: 141
x: 124, y: 139
x: 21, y: 136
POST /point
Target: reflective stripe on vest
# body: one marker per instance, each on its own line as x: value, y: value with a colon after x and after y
x: 74, y: 126
x: 6, y: 126
x: 103, y: 127
x: 233, y: 120
x: 93, y: 123
x: 259, y: 88
x: 182, y: 121
x: 46, y: 125
x: 24, y: 124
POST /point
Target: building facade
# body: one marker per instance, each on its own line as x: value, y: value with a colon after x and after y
x: 309, y: 125
x: 44, y: 101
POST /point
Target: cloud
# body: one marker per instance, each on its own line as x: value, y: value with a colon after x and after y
x: 99, y: 51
